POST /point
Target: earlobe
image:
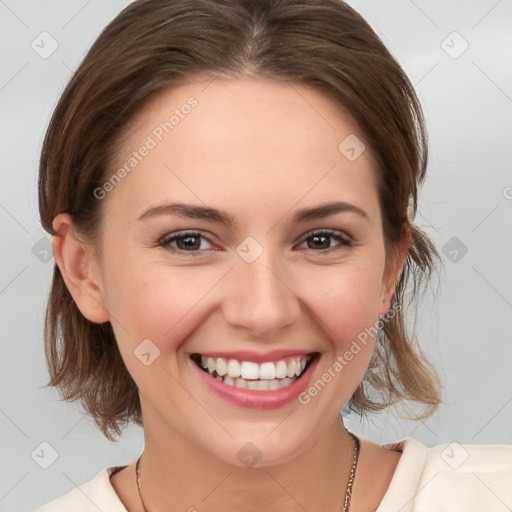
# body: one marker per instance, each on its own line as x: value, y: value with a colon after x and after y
x: 73, y: 258
x: 393, y: 271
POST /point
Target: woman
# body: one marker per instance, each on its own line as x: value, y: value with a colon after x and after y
x: 231, y: 188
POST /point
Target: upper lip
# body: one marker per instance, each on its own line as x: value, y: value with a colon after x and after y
x: 257, y: 357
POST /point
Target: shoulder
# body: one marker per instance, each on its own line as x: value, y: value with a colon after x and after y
x: 450, y: 476
x: 96, y: 494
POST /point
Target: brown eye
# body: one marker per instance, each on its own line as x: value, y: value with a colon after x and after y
x: 186, y: 242
x: 320, y: 241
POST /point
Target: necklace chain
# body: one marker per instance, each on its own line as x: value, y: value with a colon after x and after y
x: 348, y: 492
x: 352, y: 476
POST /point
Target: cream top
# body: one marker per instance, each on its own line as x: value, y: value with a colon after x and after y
x: 449, y: 477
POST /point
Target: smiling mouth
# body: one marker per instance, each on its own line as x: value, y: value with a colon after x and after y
x: 265, y: 376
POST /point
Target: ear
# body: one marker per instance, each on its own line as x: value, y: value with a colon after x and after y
x: 393, y: 269
x: 78, y: 270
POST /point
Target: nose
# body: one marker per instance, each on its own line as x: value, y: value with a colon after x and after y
x: 260, y: 297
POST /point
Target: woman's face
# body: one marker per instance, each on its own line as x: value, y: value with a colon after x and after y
x: 252, y: 279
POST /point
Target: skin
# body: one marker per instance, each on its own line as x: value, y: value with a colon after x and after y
x: 260, y: 151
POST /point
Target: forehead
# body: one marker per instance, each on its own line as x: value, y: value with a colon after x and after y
x: 244, y: 140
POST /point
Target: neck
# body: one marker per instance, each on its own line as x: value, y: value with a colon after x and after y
x: 176, y: 474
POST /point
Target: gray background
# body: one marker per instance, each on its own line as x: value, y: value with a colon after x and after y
x: 465, y: 205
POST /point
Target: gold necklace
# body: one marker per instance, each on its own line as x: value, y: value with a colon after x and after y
x: 348, y: 492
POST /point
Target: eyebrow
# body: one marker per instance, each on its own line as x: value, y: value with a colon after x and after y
x: 214, y: 215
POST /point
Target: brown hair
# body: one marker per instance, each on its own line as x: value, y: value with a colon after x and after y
x: 153, y: 44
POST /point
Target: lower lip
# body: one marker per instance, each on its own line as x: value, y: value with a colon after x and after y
x: 253, y: 399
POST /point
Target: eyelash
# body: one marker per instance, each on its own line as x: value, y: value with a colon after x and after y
x: 168, y: 239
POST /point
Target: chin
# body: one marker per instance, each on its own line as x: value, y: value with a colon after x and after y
x: 258, y: 449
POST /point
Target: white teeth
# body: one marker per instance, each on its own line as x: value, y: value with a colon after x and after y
x: 249, y: 370
x: 221, y: 367
x: 250, y: 375
x: 252, y: 384
x: 298, y: 367
x: 267, y: 371
x: 281, y: 370
x: 255, y: 385
x: 233, y: 368
x: 291, y: 369
x: 259, y: 385
x: 262, y: 385
x: 240, y: 383
x: 272, y: 384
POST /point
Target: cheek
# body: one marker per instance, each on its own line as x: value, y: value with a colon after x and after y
x: 159, y: 302
x: 344, y: 302
x: 162, y: 305
x: 345, y: 299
